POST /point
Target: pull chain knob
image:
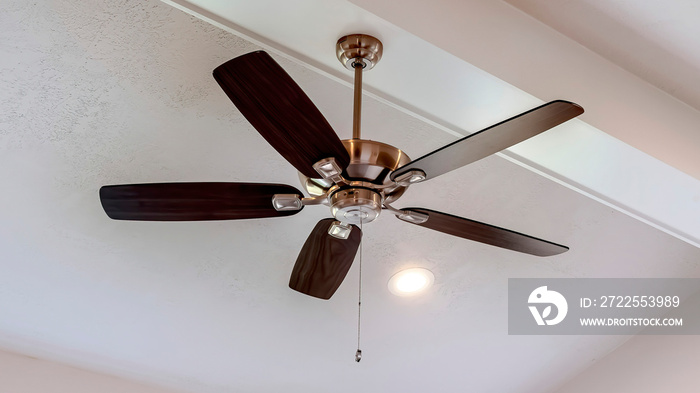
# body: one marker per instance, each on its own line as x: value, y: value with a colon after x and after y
x: 358, y: 353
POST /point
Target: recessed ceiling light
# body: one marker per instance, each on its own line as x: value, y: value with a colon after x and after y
x: 411, y: 282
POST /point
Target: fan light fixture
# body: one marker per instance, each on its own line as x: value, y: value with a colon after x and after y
x: 410, y: 282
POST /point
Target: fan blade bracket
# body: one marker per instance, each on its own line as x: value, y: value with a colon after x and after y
x: 286, y: 202
x: 340, y: 230
x: 315, y: 200
x: 329, y: 169
x: 410, y: 177
x: 292, y: 202
x: 413, y: 217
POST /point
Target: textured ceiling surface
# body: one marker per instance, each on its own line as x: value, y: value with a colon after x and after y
x: 110, y: 92
x: 654, y: 40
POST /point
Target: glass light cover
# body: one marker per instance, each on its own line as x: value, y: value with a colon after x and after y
x: 411, y: 282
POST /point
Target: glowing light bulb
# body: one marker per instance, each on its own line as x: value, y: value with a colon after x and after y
x: 411, y: 282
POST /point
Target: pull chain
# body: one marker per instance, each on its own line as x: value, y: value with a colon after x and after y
x: 358, y: 353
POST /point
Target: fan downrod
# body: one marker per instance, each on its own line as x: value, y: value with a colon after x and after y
x: 358, y: 52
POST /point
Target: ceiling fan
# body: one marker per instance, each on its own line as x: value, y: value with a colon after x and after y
x: 357, y: 178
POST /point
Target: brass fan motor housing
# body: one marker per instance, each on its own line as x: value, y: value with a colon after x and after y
x: 371, y: 163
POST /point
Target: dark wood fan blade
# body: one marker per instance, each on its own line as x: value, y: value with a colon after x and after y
x: 492, y: 139
x: 324, y: 261
x: 280, y: 111
x: 489, y: 234
x: 193, y: 201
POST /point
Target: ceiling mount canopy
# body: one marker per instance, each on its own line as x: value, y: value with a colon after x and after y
x: 359, y: 48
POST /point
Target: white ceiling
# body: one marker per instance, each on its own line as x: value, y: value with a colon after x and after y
x: 110, y: 92
x: 654, y: 40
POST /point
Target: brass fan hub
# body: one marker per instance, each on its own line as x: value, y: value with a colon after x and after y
x: 372, y: 161
x: 367, y: 186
